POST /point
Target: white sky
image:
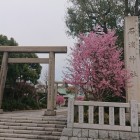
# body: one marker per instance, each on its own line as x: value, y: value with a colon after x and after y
x: 36, y: 23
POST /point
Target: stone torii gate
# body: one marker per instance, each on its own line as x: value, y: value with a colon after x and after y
x: 28, y: 49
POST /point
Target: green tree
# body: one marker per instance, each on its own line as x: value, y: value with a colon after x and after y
x: 14, y: 92
x: 4, y: 41
x: 132, y: 7
x: 23, y: 71
x: 83, y: 15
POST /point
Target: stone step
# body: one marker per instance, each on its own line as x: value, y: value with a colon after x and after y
x: 62, y: 113
x: 29, y: 124
x: 32, y: 132
x: 49, y: 137
x: 32, y: 125
x: 10, y: 135
x: 27, y: 136
x: 6, y: 138
x: 33, y: 121
x: 31, y: 128
x: 60, y: 126
x: 56, y: 133
x: 28, y: 132
x: 37, y: 119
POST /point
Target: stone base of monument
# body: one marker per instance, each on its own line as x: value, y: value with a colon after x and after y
x: 50, y: 113
x: 138, y: 107
x: 1, y: 111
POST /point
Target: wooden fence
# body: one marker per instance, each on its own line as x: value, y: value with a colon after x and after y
x: 97, y: 112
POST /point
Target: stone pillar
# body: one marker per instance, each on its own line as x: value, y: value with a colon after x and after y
x: 76, y: 91
x: 56, y: 88
x: 132, y: 61
x: 51, y: 77
x: 3, y: 74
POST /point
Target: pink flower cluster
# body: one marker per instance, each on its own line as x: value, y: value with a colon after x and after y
x: 80, y: 98
x: 59, y: 100
x: 95, y: 62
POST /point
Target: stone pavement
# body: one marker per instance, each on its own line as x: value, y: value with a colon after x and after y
x: 60, y: 112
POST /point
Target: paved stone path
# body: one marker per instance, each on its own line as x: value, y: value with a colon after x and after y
x: 60, y: 112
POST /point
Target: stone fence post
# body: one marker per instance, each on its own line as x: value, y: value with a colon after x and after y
x: 70, y: 119
x: 134, y: 116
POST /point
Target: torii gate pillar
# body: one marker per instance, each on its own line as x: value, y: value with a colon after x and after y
x: 51, y: 78
x: 3, y: 74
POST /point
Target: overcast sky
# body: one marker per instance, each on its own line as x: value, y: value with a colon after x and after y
x: 36, y: 23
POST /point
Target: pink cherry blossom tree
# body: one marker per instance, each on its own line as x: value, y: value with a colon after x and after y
x: 59, y: 100
x: 95, y: 66
x: 80, y: 98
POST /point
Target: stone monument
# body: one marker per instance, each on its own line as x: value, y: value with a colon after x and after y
x: 132, y: 60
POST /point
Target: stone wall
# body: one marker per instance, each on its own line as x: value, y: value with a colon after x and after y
x: 91, y: 134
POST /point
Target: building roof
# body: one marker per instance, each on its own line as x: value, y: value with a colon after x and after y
x: 62, y: 91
